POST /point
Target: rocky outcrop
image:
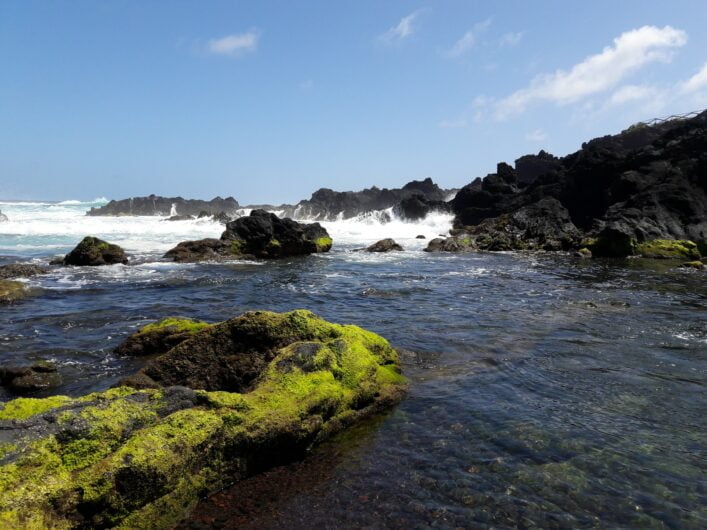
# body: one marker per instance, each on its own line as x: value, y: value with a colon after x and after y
x: 20, y: 270
x: 384, y: 245
x: 160, y: 337
x: 329, y: 205
x: 647, y: 183
x: 418, y: 206
x: 266, y: 387
x: 166, y: 206
x: 93, y: 252
x: 261, y: 235
x: 25, y: 379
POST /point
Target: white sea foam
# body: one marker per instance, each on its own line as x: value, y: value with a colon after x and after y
x: 53, y: 228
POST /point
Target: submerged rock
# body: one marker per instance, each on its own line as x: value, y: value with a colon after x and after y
x: 22, y: 379
x: 92, y: 252
x: 160, y: 337
x: 260, y: 235
x: 11, y: 291
x: 142, y: 458
x: 384, y: 245
x: 20, y: 270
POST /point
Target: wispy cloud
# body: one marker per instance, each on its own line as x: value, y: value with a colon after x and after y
x: 597, y: 73
x: 236, y: 44
x: 511, y: 38
x: 631, y: 93
x: 402, y: 30
x: 537, y: 136
x: 469, y: 39
x: 696, y: 82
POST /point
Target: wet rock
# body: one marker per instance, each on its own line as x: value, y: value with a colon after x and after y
x: 384, y: 245
x: 693, y: 265
x: 459, y: 243
x: 420, y: 236
x: 141, y: 458
x: 668, y: 249
x: 259, y: 235
x: 20, y: 270
x: 160, y: 337
x: 3, y: 217
x: 418, y: 206
x: 583, y: 252
x: 11, y: 291
x: 25, y: 379
x: 92, y: 252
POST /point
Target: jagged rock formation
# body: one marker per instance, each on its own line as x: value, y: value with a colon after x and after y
x: 647, y: 183
x: 164, y: 206
x: 329, y: 205
x: 261, y: 389
x: 259, y: 235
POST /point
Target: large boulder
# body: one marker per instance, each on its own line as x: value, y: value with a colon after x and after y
x: 92, y: 252
x: 384, y: 245
x: 20, y: 270
x: 418, y: 206
x: 266, y: 387
x: 260, y: 235
x: 160, y: 337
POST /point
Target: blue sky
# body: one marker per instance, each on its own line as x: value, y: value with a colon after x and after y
x: 268, y: 101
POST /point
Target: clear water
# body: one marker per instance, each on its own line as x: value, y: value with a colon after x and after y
x: 545, y: 391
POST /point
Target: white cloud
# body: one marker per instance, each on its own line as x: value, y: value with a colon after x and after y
x: 235, y: 44
x: 511, y: 39
x: 696, y: 82
x: 536, y: 136
x: 468, y: 40
x: 453, y: 124
x: 631, y: 93
x: 597, y: 73
x: 404, y: 29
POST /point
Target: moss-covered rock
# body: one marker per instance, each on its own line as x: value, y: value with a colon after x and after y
x: 693, y: 265
x: 11, y: 291
x: 92, y: 251
x: 160, y: 337
x: 141, y: 458
x: 20, y: 270
x: 668, y: 249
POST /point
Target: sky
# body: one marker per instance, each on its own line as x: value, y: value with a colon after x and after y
x: 267, y: 101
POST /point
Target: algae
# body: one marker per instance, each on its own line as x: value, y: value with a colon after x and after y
x: 175, y: 324
x: 668, y: 249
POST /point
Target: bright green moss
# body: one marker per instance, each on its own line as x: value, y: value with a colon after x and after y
x: 667, y: 249
x: 237, y: 247
x: 693, y: 265
x: 23, y: 408
x: 323, y: 244
x: 133, y: 468
x: 174, y: 324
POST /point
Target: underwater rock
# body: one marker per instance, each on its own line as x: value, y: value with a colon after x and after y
x: 20, y: 270
x: 92, y: 252
x: 22, y: 379
x: 260, y: 235
x: 384, y: 245
x: 160, y: 337
x: 11, y: 291
x: 142, y: 458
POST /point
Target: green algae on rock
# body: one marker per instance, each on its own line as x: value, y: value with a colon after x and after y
x: 93, y: 252
x: 161, y: 336
x: 12, y: 291
x: 668, y: 249
x: 141, y: 458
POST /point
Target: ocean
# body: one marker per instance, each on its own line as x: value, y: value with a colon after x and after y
x: 546, y: 390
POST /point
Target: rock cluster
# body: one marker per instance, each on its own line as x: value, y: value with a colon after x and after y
x: 259, y: 235
x: 618, y: 192
x: 163, y: 206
